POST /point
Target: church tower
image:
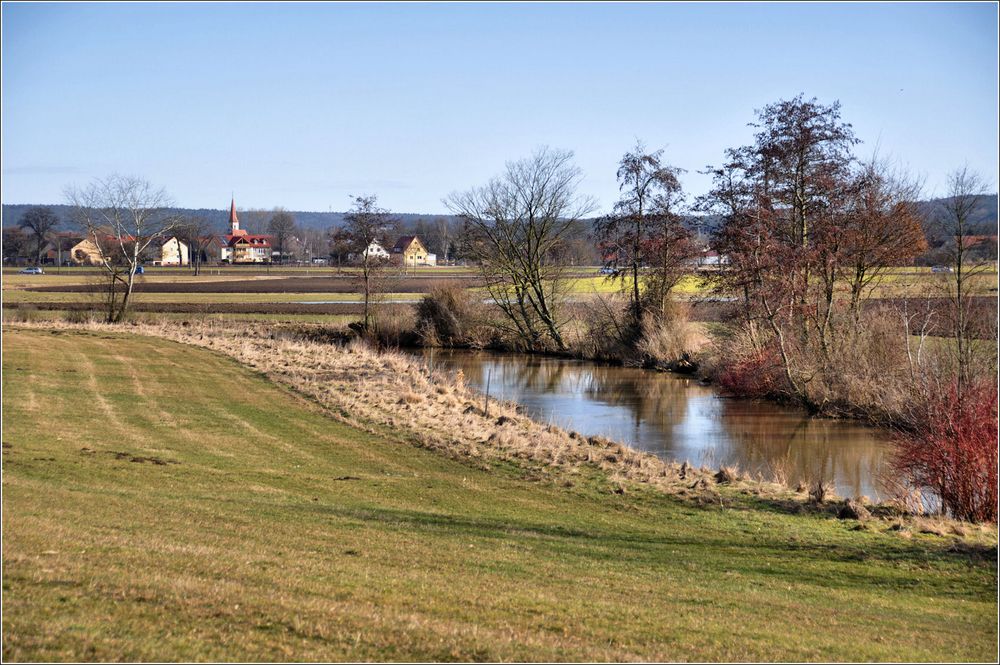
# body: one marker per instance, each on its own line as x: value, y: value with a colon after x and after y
x: 234, y: 221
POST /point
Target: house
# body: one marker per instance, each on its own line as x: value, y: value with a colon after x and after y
x: 239, y: 246
x: 174, y: 252
x: 374, y: 250
x: 410, y: 251
x: 712, y: 258
x: 85, y: 253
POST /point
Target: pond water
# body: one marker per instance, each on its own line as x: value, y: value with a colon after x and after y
x: 677, y: 418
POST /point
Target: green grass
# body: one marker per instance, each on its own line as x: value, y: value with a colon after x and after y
x: 9, y: 315
x: 60, y: 297
x: 248, y: 543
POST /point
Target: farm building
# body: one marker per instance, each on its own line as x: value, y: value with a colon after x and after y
x: 410, y: 251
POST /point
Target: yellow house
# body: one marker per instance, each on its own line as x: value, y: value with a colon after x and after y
x: 409, y: 251
x: 85, y: 253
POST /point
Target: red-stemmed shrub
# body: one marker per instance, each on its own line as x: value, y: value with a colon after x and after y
x: 755, y: 374
x: 952, y: 450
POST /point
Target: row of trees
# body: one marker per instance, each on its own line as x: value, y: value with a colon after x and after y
x: 800, y: 214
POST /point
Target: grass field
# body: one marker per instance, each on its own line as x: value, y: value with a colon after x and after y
x: 162, y: 502
x: 215, y: 285
x: 61, y: 297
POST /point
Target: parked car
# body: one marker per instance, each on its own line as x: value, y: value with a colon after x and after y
x: 609, y: 271
x: 32, y: 271
x: 942, y: 269
x: 140, y: 270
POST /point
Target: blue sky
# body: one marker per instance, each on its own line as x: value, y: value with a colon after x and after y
x: 302, y: 105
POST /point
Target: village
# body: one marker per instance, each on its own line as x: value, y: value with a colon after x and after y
x: 237, y: 247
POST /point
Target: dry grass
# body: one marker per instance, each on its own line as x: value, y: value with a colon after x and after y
x: 672, y: 338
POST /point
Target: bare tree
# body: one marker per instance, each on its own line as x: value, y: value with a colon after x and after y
x: 965, y: 188
x: 364, y: 225
x: 339, y: 245
x: 515, y: 226
x: 197, y: 233
x: 644, y: 237
x: 254, y: 220
x: 783, y: 200
x: 15, y: 243
x: 121, y: 216
x: 881, y: 229
x: 39, y: 222
x: 282, y: 227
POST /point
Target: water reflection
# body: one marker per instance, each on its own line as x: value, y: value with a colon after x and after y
x: 676, y: 418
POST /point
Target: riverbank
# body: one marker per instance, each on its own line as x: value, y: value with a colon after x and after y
x: 164, y: 502
x: 440, y: 411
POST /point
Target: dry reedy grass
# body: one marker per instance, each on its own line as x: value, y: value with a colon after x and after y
x: 672, y: 337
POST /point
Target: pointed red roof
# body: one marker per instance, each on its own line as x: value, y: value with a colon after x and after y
x: 233, y: 219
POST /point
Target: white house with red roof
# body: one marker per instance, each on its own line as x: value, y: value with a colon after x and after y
x: 239, y: 246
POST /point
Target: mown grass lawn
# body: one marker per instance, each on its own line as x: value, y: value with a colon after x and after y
x: 161, y: 502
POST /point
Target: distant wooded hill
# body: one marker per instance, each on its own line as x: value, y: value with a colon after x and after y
x: 219, y: 218
x: 984, y: 218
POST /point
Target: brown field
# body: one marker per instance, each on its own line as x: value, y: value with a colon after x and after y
x: 259, y: 284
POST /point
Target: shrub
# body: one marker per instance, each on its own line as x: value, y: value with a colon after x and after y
x: 754, y: 373
x: 21, y: 313
x: 79, y: 316
x: 952, y: 450
x: 607, y: 332
x: 394, y: 328
x: 669, y: 339
x: 450, y: 315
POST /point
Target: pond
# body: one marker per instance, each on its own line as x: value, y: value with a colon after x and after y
x: 677, y: 418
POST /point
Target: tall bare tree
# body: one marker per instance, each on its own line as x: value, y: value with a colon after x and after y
x: 644, y: 237
x: 881, y: 229
x: 339, y: 245
x: 15, y: 244
x: 965, y: 189
x: 121, y: 216
x: 515, y: 225
x: 197, y: 233
x: 282, y: 227
x: 40, y: 223
x: 784, y: 200
x: 364, y: 224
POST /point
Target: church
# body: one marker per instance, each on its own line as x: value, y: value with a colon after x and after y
x: 238, y: 246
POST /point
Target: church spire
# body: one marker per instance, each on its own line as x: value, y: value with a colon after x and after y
x: 234, y: 221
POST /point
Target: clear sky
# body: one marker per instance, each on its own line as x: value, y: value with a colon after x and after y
x: 302, y: 105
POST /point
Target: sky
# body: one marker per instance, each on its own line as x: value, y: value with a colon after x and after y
x: 305, y: 105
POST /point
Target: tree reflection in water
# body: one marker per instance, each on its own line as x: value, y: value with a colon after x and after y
x: 676, y: 418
